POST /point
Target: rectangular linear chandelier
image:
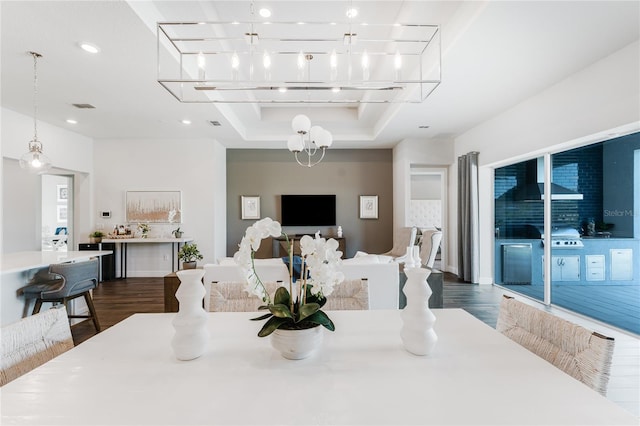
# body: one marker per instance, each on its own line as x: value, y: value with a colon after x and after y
x: 298, y: 62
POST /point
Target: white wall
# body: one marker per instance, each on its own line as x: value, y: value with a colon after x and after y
x: 70, y: 153
x: 196, y: 167
x: 600, y: 99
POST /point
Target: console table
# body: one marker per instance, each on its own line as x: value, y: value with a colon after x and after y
x: 280, y: 245
x: 124, y: 242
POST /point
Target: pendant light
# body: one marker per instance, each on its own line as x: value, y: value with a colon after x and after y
x: 35, y: 161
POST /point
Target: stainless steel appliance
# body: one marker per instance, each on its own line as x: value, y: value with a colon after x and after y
x: 516, y: 263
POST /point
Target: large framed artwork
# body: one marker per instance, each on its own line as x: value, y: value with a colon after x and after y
x: 153, y: 206
x: 368, y: 207
x: 250, y: 207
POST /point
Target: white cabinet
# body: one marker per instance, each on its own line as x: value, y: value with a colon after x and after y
x: 621, y: 264
x: 565, y: 268
x: 595, y: 267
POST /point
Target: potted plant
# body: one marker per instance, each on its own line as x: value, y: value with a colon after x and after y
x: 189, y: 254
x: 177, y: 233
x: 294, y: 315
x: 96, y: 237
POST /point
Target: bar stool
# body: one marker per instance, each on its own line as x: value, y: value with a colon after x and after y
x: 64, y: 282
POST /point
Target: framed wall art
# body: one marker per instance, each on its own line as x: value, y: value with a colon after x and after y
x: 62, y: 213
x: 250, y: 207
x: 153, y: 206
x: 368, y: 207
x: 63, y: 194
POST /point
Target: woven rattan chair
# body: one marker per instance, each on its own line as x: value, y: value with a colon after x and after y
x: 231, y: 297
x: 350, y: 295
x: 32, y: 341
x: 582, y: 354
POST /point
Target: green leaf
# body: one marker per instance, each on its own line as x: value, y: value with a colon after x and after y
x: 272, y: 325
x: 280, y: 311
x: 282, y: 297
x: 308, y: 309
x: 262, y: 317
x: 321, y: 318
x: 316, y: 299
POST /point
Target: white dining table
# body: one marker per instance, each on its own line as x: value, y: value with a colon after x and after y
x: 361, y: 375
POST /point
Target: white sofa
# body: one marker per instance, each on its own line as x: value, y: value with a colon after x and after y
x: 383, y: 277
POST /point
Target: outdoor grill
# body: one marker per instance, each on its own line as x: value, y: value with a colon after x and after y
x: 564, y: 237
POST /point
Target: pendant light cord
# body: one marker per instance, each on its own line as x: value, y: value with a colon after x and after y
x: 35, y: 94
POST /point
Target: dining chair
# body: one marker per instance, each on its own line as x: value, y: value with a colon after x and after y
x: 229, y: 296
x: 350, y: 295
x: 63, y: 282
x: 581, y: 353
x: 431, y: 240
x: 32, y: 341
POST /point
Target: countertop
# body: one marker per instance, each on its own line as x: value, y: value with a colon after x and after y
x: 25, y: 260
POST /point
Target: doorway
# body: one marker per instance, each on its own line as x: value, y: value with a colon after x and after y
x: 427, y: 202
x: 57, y: 212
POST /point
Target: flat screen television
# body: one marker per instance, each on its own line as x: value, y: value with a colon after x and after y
x: 308, y: 210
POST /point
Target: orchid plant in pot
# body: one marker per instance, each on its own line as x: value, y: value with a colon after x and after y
x: 298, y: 307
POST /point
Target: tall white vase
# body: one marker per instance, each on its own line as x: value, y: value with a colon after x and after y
x: 191, y: 336
x: 417, y: 332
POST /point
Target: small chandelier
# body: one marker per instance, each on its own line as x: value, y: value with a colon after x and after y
x: 35, y: 161
x: 310, y: 140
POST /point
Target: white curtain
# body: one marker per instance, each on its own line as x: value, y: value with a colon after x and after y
x: 468, y: 221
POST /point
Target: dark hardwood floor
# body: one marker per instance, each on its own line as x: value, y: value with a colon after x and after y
x: 119, y: 299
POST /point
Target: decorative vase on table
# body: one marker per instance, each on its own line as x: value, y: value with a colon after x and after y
x: 418, y: 336
x: 191, y: 336
x: 297, y: 344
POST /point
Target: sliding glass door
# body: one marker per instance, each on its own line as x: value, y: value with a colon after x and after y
x: 594, y: 232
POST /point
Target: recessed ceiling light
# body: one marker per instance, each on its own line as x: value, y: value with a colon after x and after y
x: 71, y: 121
x: 282, y: 89
x: 88, y: 47
x: 352, y: 13
x: 335, y: 89
x: 264, y: 12
x: 186, y: 122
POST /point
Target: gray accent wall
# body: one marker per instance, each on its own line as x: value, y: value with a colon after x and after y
x: 345, y: 173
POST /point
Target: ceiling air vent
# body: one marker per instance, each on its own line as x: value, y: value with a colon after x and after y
x: 215, y: 123
x: 83, y: 106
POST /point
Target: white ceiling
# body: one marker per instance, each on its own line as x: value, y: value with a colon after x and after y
x: 495, y: 54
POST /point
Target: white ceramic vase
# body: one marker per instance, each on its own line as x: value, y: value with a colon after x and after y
x: 297, y: 344
x: 418, y: 336
x: 191, y: 337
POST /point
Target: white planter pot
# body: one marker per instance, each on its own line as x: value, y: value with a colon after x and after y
x: 297, y: 344
x: 191, y: 337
